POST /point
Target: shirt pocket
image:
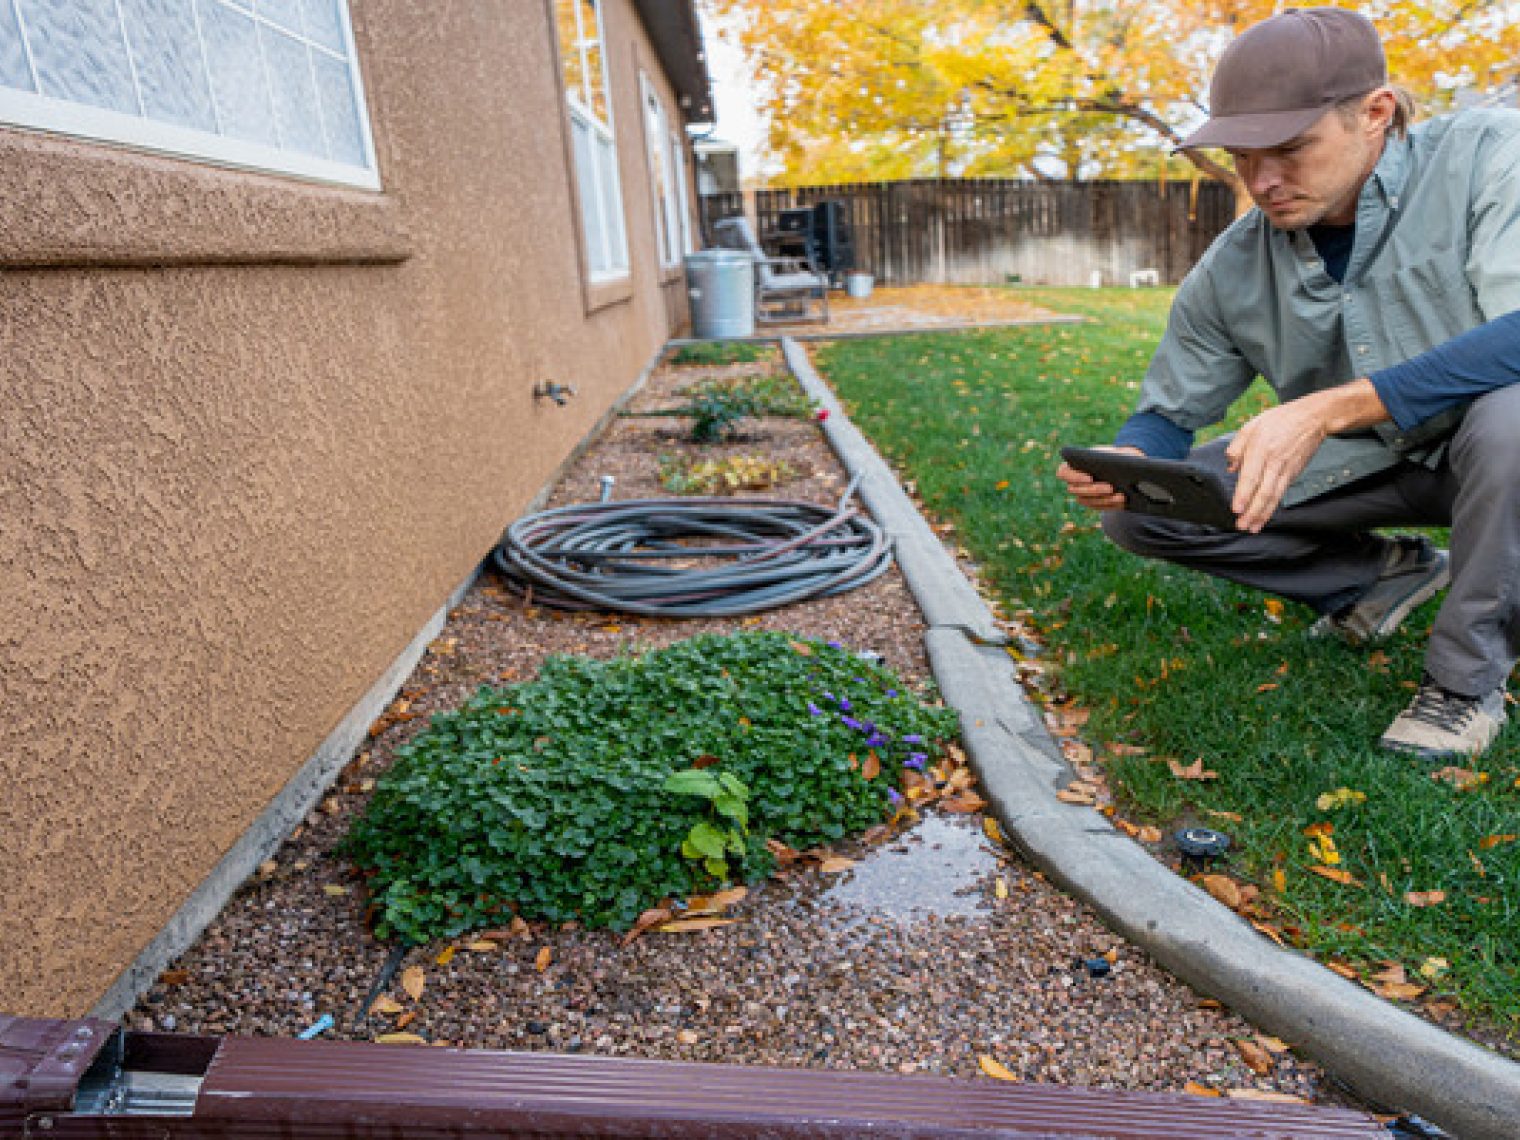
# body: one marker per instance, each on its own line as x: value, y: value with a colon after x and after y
x: 1423, y: 305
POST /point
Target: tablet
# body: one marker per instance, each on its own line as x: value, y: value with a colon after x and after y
x: 1171, y: 488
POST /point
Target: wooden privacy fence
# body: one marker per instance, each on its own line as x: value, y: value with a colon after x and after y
x: 993, y: 231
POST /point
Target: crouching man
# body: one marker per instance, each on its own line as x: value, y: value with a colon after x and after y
x: 1376, y: 287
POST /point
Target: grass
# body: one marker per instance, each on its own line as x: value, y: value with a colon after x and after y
x: 1180, y: 666
x: 713, y: 352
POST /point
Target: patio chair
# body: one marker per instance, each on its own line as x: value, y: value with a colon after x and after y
x: 786, y: 288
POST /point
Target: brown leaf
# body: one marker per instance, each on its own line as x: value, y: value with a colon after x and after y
x: 1393, y: 974
x: 1335, y: 875
x: 482, y: 946
x: 835, y: 864
x: 174, y: 977
x: 1075, y: 795
x: 1424, y: 898
x: 647, y: 921
x: 1223, y: 888
x: 1271, y: 932
x: 963, y: 804
x: 785, y: 856
x: 1273, y: 1045
x: 993, y: 1069
x: 413, y: 981
x: 1193, y: 771
x: 1489, y: 842
x: 688, y: 1036
x: 400, y: 1039
x: 1233, y: 816
x: 1197, y: 1089
x: 1398, y: 991
x: 1257, y: 1059
x: 1269, y: 1096
x: 872, y: 767
x: 386, y: 1005
x: 720, y: 901
x: 1462, y: 779
x: 692, y: 925
x: 445, y: 956
x: 801, y: 647
x: 704, y: 761
x: 1149, y: 835
x: 542, y: 959
x: 1345, y: 971
x: 406, y: 1019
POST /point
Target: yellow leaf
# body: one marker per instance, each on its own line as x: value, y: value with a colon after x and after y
x: 1335, y: 875
x: 993, y: 1069
x: 835, y: 864
x: 1424, y: 898
x: 1274, y: 608
x: 543, y: 958
x: 1000, y: 485
x: 482, y: 946
x: 688, y: 1036
x: 690, y: 925
x: 1197, y: 1089
x: 995, y: 833
x: 1280, y: 881
x: 1075, y: 795
x: 385, y: 1005
x: 333, y: 890
x: 1149, y: 835
x: 413, y: 981
x: 1000, y: 888
x: 445, y: 956
x: 1269, y: 1096
x: 1257, y: 1059
x: 1488, y: 842
x: 400, y: 1039
x: 1398, y: 991
x: 1222, y: 888
x: 1272, y: 1045
x: 1433, y: 968
x: 1341, y: 797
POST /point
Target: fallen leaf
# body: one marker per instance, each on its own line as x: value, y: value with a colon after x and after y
x: 1075, y: 796
x: 647, y: 921
x: 963, y: 804
x: 872, y: 767
x: 1462, y: 779
x: 1271, y: 932
x: 835, y: 864
x: 1149, y: 835
x: 1433, y: 968
x: 406, y: 1019
x: 482, y: 946
x: 174, y: 977
x: 1343, y: 970
x: 1268, y: 1095
x: 1274, y: 608
x: 1210, y: 1003
x: 400, y: 1039
x: 1341, y: 797
x: 691, y: 925
x: 993, y: 1069
x: 1280, y: 881
x: 1273, y: 1045
x: 1335, y: 875
x: 704, y: 761
x: 1223, y: 888
x: 385, y: 1005
x: 1197, y: 1089
x: 1193, y: 771
x: 1257, y: 1059
x: 333, y: 890
x: 722, y: 900
x: 1267, y: 688
x: 995, y: 833
x: 445, y: 956
x: 413, y: 981
x: 1391, y: 974
x: 1233, y: 816
x: 1323, y: 827
x: 1398, y: 991
x: 785, y: 856
x: 1000, y: 888
x: 1424, y: 898
x: 688, y: 1036
x: 542, y: 959
x: 1489, y: 842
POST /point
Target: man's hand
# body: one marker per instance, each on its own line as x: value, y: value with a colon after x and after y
x: 1272, y: 449
x: 1088, y: 491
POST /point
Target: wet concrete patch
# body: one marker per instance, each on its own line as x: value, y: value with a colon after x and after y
x: 936, y: 869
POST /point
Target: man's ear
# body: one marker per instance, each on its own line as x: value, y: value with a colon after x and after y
x: 1378, y: 110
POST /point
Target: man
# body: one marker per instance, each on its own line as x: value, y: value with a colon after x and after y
x: 1376, y: 287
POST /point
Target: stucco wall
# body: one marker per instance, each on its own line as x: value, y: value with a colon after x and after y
x: 255, y: 430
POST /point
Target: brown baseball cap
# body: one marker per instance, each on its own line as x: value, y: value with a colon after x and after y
x: 1279, y: 76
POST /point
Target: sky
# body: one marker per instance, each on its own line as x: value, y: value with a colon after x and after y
x: 734, y: 98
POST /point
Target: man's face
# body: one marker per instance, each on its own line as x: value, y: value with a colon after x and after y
x: 1316, y: 176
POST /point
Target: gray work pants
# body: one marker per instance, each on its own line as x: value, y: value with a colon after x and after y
x: 1323, y: 552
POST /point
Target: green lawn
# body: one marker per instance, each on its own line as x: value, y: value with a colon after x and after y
x: 1188, y: 668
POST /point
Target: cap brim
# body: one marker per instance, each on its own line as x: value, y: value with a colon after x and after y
x: 1253, y: 132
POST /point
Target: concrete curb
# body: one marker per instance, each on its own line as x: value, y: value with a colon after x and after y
x: 1389, y: 1056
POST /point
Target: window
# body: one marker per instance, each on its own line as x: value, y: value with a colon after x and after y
x: 663, y: 176
x: 266, y: 84
x: 683, y: 203
x: 581, y: 55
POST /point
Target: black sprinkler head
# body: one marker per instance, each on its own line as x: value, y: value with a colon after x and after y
x: 1201, y: 845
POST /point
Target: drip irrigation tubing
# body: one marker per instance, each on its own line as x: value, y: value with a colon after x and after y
x: 706, y: 557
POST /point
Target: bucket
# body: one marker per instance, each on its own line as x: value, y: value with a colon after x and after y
x: 858, y: 284
x: 721, y: 285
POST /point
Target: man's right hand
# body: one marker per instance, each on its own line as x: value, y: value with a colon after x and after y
x: 1088, y: 491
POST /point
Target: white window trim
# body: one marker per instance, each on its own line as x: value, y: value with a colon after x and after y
x: 683, y: 197
x: 667, y: 220
x: 32, y: 111
x: 609, y: 194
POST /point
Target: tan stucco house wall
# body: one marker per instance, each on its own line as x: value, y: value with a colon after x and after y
x: 256, y: 430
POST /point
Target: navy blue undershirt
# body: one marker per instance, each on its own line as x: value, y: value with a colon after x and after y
x: 1460, y: 370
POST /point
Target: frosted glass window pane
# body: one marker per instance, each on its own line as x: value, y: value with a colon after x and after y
x: 612, y: 204
x: 324, y: 25
x: 340, y: 111
x: 167, y: 53
x: 237, y: 74
x: 14, y: 71
x: 295, y: 97
x: 79, y: 52
x: 591, y: 211
x: 285, y: 13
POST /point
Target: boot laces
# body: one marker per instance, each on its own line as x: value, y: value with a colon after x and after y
x: 1442, y: 709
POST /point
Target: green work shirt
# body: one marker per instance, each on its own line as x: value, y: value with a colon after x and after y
x: 1437, y: 253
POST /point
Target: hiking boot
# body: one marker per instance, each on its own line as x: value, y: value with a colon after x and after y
x: 1413, y: 572
x: 1439, y: 723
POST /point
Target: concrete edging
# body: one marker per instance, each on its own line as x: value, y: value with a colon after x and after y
x: 1388, y: 1055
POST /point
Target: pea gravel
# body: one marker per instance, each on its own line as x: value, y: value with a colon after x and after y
x: 899, y: 980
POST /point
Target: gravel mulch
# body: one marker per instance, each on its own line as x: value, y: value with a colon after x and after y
x: 938, y: 948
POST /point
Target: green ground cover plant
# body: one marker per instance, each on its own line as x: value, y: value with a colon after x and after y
x: 728, y: 476
x: 1176, y: 668
x: 603, y: 787
x: 722, y: 352
x: 717, y: 407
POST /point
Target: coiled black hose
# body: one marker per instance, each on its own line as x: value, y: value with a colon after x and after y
x: 708, y: 557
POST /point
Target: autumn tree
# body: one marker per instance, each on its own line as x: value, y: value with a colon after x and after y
x: 881, y: 89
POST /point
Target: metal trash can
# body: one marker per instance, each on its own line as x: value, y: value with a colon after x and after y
x: 721, y: 285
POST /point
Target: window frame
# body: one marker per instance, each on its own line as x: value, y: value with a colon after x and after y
x: 610, y: 263
x: 663, y: 199
x: 30, y: 110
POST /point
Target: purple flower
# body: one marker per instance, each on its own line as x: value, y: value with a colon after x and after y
x: 851, y: 722
x: 875, y: 740
x: 860, y: 680
x: 894, y: 796
x: 834, y: 645
x: 814, y: 710
x: 913, y: 738
x: 916, y: 761
x: 844, y: 703
x: 891, y: 692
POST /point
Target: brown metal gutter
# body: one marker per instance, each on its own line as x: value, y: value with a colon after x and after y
x: 275, y: 1087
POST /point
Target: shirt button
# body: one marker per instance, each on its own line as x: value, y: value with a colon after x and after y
x: 1363, y: 349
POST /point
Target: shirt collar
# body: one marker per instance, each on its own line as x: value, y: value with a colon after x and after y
x: 1392, y: 171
